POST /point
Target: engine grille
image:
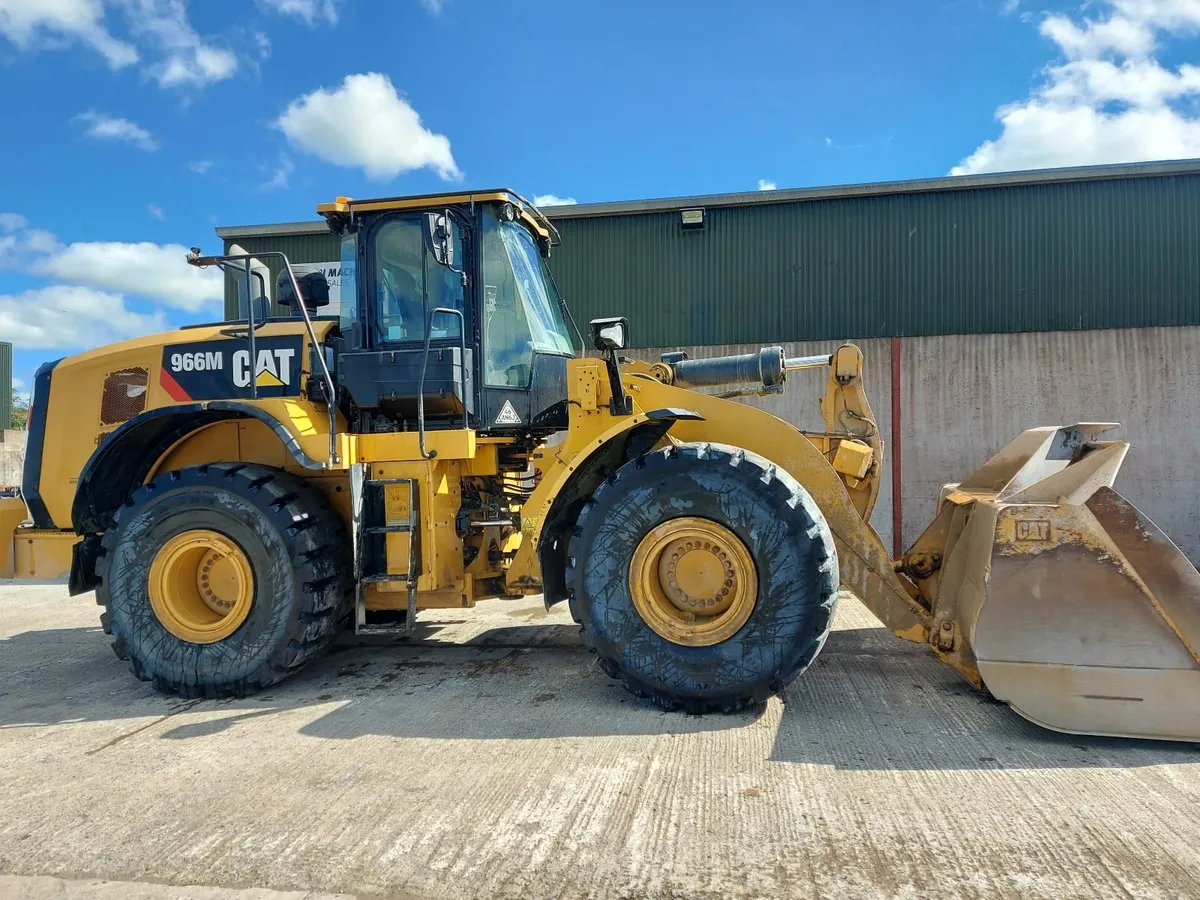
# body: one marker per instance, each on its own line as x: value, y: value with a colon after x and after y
x: 124, y: 396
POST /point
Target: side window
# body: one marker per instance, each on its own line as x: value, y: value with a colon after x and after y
x: 348, y: 289
x: 401, y: 268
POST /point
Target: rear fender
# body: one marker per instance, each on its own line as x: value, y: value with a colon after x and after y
x: 130, y: 453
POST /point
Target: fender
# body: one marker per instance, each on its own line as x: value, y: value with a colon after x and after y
x: 128, y: 454
x: 576, y: 468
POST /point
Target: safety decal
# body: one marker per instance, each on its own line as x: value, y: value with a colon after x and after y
x: 508, y: 415
x: 222, y: 369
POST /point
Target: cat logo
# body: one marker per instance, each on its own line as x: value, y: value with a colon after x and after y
x: 508, y: 415
x: 1033, y: 529
x: 224, y: 369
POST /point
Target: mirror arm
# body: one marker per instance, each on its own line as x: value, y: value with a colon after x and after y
x: 621, y: 403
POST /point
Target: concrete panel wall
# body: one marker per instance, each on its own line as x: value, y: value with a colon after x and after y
x: 963, y: 397
x: 800, y: 403
x: 12, y: 452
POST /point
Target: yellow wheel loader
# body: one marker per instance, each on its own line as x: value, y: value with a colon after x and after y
x: 236, y: 493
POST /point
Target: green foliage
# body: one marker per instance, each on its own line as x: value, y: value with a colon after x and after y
x: 20, y: 411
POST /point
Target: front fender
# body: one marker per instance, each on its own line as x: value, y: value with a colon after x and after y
x: 570, y: 472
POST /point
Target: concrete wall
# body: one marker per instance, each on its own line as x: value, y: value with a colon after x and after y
x: 963, y: 397
x: 12, y: 451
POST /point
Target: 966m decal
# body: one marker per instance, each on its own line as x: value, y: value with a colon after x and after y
x: 222, y: 369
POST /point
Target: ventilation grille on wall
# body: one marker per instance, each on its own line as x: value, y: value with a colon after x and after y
x: 124, y: 396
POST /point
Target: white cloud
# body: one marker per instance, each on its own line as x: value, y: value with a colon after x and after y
x: 31, y: 24
x: 434, y: 7
x: 281, y: 174
x: 39, y: 241
x: 158, y: 28
x: 1009, y: 7
x: 157, y: 212
x: 19, y: 245
x: 552, y: 200
x: 90, y: 307
x: 764, y: 185
x: 18, y: 384
x: 10, y: 222
x: 201, y: 166
x: 104, y: 127
x: 1108, y: 98
x: 366, y: 124
x: 308, y: 10
x: 67, y: 316
x: 158, y: 272
x: 188, y: 60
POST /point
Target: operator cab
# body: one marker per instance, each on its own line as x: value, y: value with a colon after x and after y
x: 449, y: 298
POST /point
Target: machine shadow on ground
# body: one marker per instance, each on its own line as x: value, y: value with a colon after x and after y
x: 869, y: 702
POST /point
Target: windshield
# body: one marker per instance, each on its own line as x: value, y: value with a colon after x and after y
x: 522, y: 311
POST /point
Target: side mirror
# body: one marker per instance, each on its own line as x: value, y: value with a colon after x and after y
x: 610, y: 334
x: 439, y: 237
x: 314, y: 289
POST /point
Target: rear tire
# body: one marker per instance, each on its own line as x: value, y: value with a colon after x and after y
x: 794, y: 562
x: 296, y: 548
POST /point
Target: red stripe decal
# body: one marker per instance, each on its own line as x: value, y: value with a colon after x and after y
x: 171, y: 386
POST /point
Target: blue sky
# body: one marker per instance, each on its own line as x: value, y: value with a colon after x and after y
x: 133, y: 127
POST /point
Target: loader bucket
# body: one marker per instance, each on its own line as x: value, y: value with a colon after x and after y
x: 1070, y: 605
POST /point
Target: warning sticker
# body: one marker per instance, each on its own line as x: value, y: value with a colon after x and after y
x: 508, y: 415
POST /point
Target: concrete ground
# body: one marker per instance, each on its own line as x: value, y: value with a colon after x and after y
x: 493, y: 759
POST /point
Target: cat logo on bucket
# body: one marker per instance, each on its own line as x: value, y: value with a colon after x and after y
x: 220, y: 370
x: 1033, y: 529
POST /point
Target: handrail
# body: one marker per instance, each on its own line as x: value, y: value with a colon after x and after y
x: 195, y: 259
x: 462, y: 343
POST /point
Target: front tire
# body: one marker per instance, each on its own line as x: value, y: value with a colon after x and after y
x: 218, y: 580
x: 703, y: 576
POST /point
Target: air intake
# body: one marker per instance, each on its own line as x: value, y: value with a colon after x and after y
x: 124, y: 396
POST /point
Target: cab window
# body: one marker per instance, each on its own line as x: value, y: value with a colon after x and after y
x: 403, y: 266
x: 521, y: 309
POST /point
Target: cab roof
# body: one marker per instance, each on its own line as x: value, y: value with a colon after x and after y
x: 526, y: 211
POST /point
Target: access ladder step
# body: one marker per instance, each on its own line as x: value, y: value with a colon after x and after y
x: 389, y: 529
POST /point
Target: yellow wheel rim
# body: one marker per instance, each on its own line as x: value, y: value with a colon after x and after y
x: 201, y: 586
x: 693, y: 581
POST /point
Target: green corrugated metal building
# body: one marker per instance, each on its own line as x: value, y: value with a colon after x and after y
x: 1096, y: 247
x: 6, y: 384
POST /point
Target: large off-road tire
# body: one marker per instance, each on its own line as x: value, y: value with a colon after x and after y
x: 764, y: 536
x: 273, y: 538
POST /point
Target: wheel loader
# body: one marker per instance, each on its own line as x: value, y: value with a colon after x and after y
x: 236, y: 493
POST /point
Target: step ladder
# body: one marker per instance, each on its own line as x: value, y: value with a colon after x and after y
x: 364, y: 492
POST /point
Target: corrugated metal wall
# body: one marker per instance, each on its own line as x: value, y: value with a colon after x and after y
x: 6, y: 359
x: 1089, y: 254
x: 300, y: 248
